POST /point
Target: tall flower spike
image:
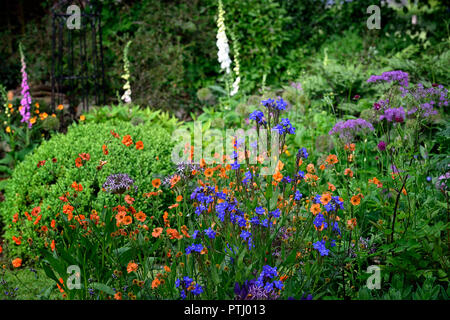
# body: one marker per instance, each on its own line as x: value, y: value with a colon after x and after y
x: 222, y: 41
x: 127, y: 94
x: 235, y: 86
x: 25, y: 111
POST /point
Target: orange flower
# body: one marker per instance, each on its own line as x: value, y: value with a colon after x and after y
x: 351, y: 224
x: 331, y: 187
x: 78, y: 162
x: 127, y: 220
x: 174, y: 206
x: 140, y: 216
x: 155, y: 283
x: 35, y: 212
x: 325, y: 198
x: 82, y: 117
x: 173, y: 233
x: 17, y: 262
x: 76, y: 186
x: 118, y: 296
x: 127, y: 140
x: 60, y: 107
x: 115, y: 135
x: 156, y: 183
x: 278, y: 176
x: 52, y: 245
x: 37, y: 220
x: 179, y: 198
x: 355, y: 200
x: 174, y: 180
x: 129, y: 199
x: 209, y: 172
x: 139, y: 145
x: 332, y: 159
x: 310, y: 168
x: 132, y: 266
x: 18, y: 241
x: 105, y: 149
x: 53, y: 223
x: 202, y: 163
x: 85, y: 156
x: 15, y: 217
x: 348, y: 172
x: 166, y: 269
x: 157, y: 232
x: 315, y: 208
x: 184, y: 230
x: 1, y: 249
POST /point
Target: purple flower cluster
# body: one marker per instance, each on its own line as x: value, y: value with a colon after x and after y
x: 25, y: 111
x: 346, y: 130
x: 401, y: 77
x: 118, y: 183
x: 435, y: 96
x: 381, y: 105
x: 393, y: 115
x: 264, y: 287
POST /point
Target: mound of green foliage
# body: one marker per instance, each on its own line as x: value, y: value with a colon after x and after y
x: 32, y: 185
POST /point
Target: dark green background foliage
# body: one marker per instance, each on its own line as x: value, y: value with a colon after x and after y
x: 174, y: 53
x: 30, y: 186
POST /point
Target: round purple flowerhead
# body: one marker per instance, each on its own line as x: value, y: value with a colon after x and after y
x: 118, y: 183
x: 382, y: 145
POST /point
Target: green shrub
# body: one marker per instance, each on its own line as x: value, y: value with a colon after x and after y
x: 31, y: 186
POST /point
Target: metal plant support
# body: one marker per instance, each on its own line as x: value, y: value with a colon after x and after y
x: 77, y: 75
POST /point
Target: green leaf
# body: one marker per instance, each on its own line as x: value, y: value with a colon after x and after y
x: 103, y: 287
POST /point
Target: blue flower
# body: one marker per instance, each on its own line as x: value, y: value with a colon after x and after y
x: 260, y: 210
x: 302, y: 153
x: 254, y: 220
x: 268, y: 103
x: 278, y: 284
x: 235, y: 165
x: 245, y: 234
x: 257, y: 116
x: 197, y: 290
x: 265, y: 223
x: 195, y: 234
x: 320, y: 246
x: 298, y: 195
x: 247, y: 177
x: 210, y: 233
x: 276, y: 213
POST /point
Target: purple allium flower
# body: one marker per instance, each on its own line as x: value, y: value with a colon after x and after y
x: 381, y: 145
x: 118, y: 183
x: 26, y: 97
x: 401, y: 77
x: 394, y: 115
x: 346, y: 130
